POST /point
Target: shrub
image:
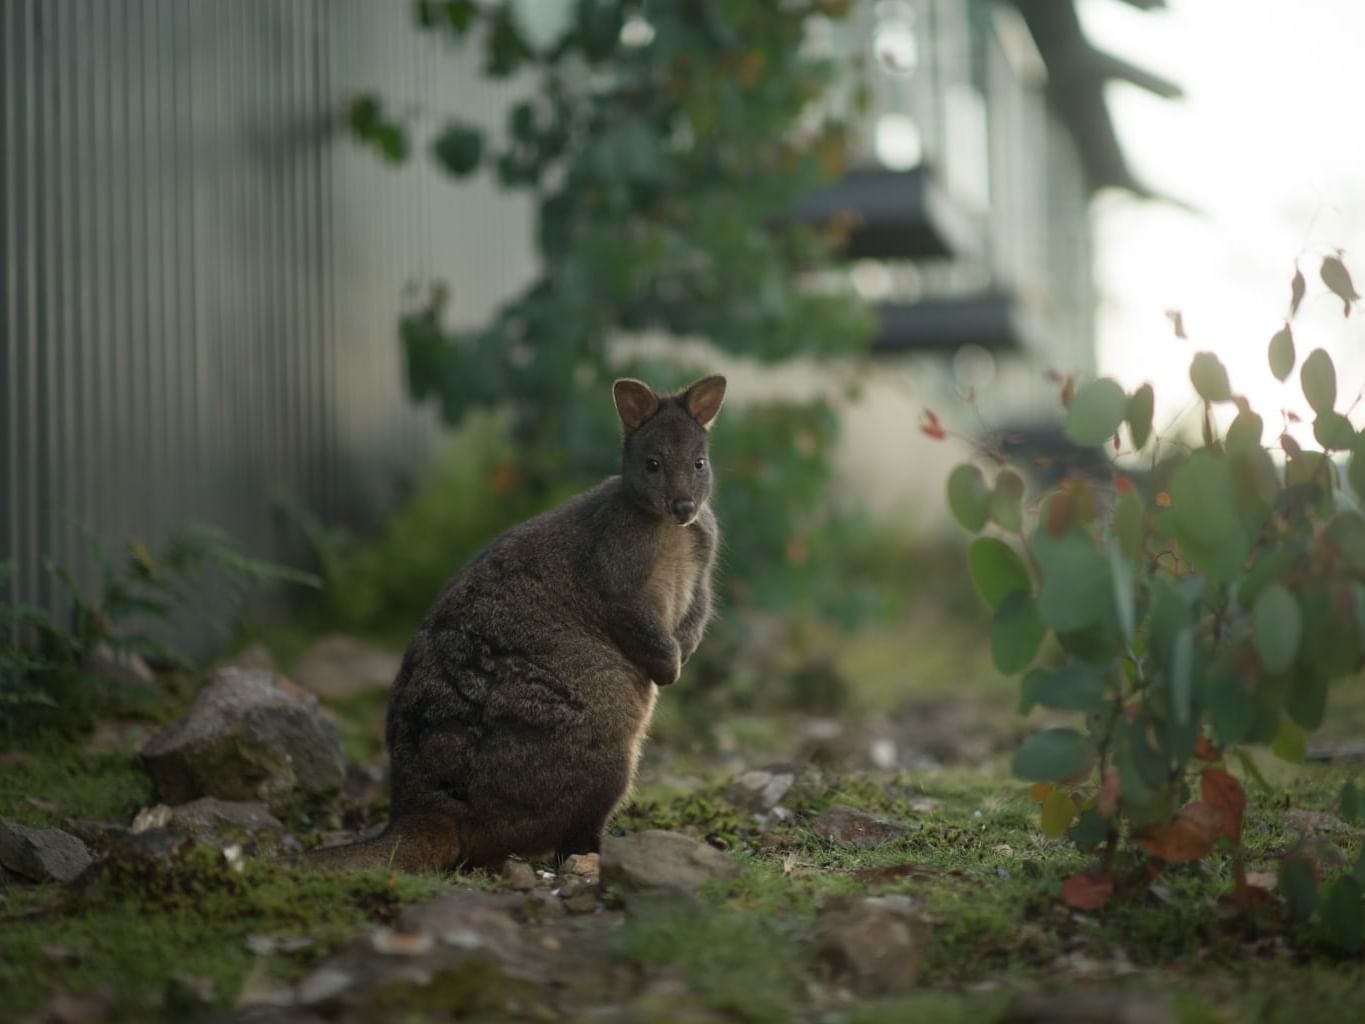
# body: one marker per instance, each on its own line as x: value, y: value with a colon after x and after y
x: 1201, y: 607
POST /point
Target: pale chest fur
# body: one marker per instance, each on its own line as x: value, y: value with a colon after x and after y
x: 673, y: 580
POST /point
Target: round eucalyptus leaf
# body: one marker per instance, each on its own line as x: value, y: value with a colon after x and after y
x: 1051, y: 756
x: 1138, y: 413
x: 1319, y: 379
x: 969, y: 499
x: 1334, y: 432
x: 1277, y: 627
x: 1007, y: 501
x: 1210, y: 378
x: 996, y: 570
x: 1016, y: 633
x: 1245, y: 432
x: 1282, y: 353
x: 1096, y: 412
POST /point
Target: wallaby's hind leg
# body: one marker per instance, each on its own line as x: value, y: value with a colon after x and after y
x: 414, y: 843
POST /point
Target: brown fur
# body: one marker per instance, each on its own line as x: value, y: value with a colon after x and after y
x: 516, y: 720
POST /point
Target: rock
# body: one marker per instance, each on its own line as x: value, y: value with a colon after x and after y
x: 246, y: 737
x: 759, y: 791
x: 841, y: 824
x: 1090, y: 1008
x: 588, y: 865
x: 42, y: 854
x: 655, y: 859
x: 107, y: 842
x: 874, y: 944
x: 209, y: 819
x: 338, y: 667
x: 519, y: 875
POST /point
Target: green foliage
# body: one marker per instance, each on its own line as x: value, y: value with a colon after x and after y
x: 46, y: 674
x: 663, y: 192
x: 1209, y: 610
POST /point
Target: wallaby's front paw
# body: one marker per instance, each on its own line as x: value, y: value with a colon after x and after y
x: 665, y: 669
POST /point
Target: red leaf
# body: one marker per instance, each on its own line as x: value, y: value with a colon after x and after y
x: 1123, y: 484
x: 1206, y: 751
x: 1061, y: 514
x: 929, y: 426
x: 1087, y: 891
x: 1189, y: 837
x: 1224, y: 792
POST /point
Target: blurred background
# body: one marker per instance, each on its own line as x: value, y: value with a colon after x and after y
x: 348, y: 282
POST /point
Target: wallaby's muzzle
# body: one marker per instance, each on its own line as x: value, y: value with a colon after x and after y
x: 683, y: 510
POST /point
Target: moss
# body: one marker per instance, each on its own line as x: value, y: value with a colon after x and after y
x: 69, y: 782
x: 136, y: 932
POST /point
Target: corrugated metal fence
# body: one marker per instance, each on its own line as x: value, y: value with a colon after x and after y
x: 200, y: 274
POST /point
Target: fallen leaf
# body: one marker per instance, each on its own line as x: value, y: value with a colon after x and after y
x: 1189, y: 837
x: 1087, y: 890
x: 1224, y: 792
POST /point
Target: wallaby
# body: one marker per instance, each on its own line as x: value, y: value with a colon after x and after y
x: 515, y: 722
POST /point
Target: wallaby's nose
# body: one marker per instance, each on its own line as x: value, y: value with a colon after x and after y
x: 684, y: 509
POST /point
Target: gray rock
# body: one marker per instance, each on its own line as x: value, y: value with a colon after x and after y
x: 159, y: 844
x: 843, y: 824
x: 42, y: 854
x: 656, y: 859
x: 519, y: 875
x: 874, y: 944
x: 759, y: 791
x: 247, y: 737
x: 338, y: 667
x: 209, y: 819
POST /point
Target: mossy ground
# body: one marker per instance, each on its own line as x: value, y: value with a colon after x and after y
x: 157, y: 944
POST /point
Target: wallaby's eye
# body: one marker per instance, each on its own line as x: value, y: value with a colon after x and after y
x: 651, y: 465
x: 700, y: 464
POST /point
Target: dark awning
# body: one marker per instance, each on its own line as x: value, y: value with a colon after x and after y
x: 995, y: 321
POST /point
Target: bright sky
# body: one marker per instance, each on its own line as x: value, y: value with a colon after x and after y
x: 1269, y: 147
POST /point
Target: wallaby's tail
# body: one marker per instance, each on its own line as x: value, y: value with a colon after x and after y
x: 415, y: 844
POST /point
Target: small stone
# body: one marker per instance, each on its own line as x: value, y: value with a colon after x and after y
x: 584, y: 901
x: 875, y: 944
x: 759, y: 791
x: 42, y: 854
x: 656, y: 859
x: 150, y: 818
x: 254, y: 657
x: 588, y: 865
x: 519, y: 875
x: 247, y: 737
x: 392, y: 943
x: 323, y: 984
x: 841, y: 824
x: 339, y: 667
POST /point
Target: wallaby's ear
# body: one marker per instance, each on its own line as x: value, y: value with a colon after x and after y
x: 635, y: 401
x: 703, y: 399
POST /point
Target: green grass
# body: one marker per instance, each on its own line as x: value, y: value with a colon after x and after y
x: 99, y: 786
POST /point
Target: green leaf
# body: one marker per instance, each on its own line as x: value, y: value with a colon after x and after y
x: 969, y: 499
x: 1282, y: 353
x: 1289, y: 744
x: 1210, y: 378
x: 996, y: 570
x: 1245, y: 433
x: 1016, y: 633
x: 1124, y: 604
x: 1075, y: 686
x: 1206, y: 518
x: 1058, y: 812
x: 1096, y: 412
x: 1231, y: 710
x: 1343, y: 917
x: 1090, y: 830
x: 1299, y: 884
x: 1007, y: 501
x: 1051, y: 756
x: 1334, y: 432
x: 1129, y: 527
x: 1319, y: 379
x: 1077, y: 591
x: 1355, y: 470
x: 1352, y: 807
x: 459, y: 149
x: 1182, y: 675
x: 1277, y: 627
x: 1138, y: 413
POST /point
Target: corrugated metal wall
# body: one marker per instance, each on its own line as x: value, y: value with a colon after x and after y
x: 200, y: 274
